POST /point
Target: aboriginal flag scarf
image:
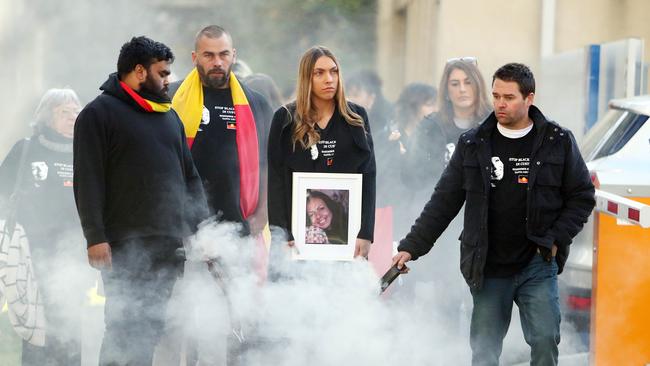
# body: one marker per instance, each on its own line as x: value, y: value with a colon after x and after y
x: 148, y: 105
x: 188, y: 103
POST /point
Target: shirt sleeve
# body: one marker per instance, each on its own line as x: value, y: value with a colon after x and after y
x: 369, y: 188
x: 278, y: 189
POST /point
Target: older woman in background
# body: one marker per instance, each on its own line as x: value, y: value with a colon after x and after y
x: 36, y: 188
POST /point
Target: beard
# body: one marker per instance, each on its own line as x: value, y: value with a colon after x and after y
x: 149, y: 86
x: 212, y: 79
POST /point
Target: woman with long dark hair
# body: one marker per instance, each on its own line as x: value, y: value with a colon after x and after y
x: 320, y: 132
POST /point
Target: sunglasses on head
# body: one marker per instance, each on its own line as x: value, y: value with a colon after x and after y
x: 467, y: 59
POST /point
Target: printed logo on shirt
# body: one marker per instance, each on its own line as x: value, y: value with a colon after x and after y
x: 449, y: 151
x: 205, y: 116
x: 327, y: 149
x: 39, y: 170
x: 520, y: 167
x: 227, y: 114
x: 517, y: 166
x: 497, y: 168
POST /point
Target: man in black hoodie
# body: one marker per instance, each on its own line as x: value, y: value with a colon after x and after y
x: 138, y: 194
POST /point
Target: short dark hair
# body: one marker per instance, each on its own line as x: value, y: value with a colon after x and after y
x: 211, y: 31
x: 141, y: 51
x: 518, y: 73
x: 366, y: 80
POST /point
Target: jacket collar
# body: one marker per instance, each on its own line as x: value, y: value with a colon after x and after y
x: 485, y: 129
x: 112, y: 87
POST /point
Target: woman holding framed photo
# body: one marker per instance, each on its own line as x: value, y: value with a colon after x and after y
x: 320, y: 132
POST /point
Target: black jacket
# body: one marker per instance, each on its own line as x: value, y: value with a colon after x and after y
x: 283, y: 161
x: 133, y: 171
x: 559, y: 200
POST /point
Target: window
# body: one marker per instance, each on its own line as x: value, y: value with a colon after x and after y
x: 621, y: 134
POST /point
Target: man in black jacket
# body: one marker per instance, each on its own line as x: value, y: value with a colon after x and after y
x: 138, y: 194
x: 527, y: 193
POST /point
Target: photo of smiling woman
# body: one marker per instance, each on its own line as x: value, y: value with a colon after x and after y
x: 327, y: 219
x: 320, y: 132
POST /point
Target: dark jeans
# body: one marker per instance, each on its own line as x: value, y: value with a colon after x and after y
x: 137, y: 292
x: 535, y: 292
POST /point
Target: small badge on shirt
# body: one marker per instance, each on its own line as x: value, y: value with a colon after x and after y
x: 67, y: 183
x: 330, y: 161
x: 231, y: 125
x: 522, y: 179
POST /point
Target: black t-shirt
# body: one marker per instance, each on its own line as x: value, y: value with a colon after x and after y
x: 45, y: 203
x: 215, y: 154
x: 451, y: 135
x: 335, y: 143
x: 509, y: 250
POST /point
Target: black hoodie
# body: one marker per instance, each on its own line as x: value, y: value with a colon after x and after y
x: 133, y: 171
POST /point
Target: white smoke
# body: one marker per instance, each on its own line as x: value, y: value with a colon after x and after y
x: 321, y: 313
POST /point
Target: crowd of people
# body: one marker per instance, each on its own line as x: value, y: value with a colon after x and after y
x: 152, y: 159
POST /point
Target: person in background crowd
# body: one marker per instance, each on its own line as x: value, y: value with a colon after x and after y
x: 320, y: 132
x: 44, y: 206
x: 416, y: 101
x: 364, y: 89
x: 265, y: 85
x: 241, y: 69
x: 462, y: 105
x: 138, y: 195
x: 518, y: 223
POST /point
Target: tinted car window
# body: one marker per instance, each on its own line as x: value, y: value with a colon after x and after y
x: 596, y: 134
x: 622, y: 134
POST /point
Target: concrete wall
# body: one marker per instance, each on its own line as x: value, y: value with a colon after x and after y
x: 17, y: 72
x: 495, y: 31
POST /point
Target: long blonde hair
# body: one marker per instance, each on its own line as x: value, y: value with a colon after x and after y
x: 305, y: 116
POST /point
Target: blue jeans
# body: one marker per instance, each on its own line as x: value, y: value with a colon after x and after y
x: 535, y: 292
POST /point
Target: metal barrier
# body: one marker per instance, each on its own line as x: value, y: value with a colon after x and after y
x: 620, y: 327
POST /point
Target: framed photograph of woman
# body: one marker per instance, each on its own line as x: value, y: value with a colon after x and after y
x: 326, y: 215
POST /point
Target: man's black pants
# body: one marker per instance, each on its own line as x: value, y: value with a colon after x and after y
x: 137, y: 292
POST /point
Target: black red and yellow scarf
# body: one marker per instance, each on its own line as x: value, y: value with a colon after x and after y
x: 146, y: 104
x: 188, y: 103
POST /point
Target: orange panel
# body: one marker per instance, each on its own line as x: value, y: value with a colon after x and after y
x: 620, y: 326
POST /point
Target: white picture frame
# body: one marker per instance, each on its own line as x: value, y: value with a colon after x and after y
x: 320, y: 235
